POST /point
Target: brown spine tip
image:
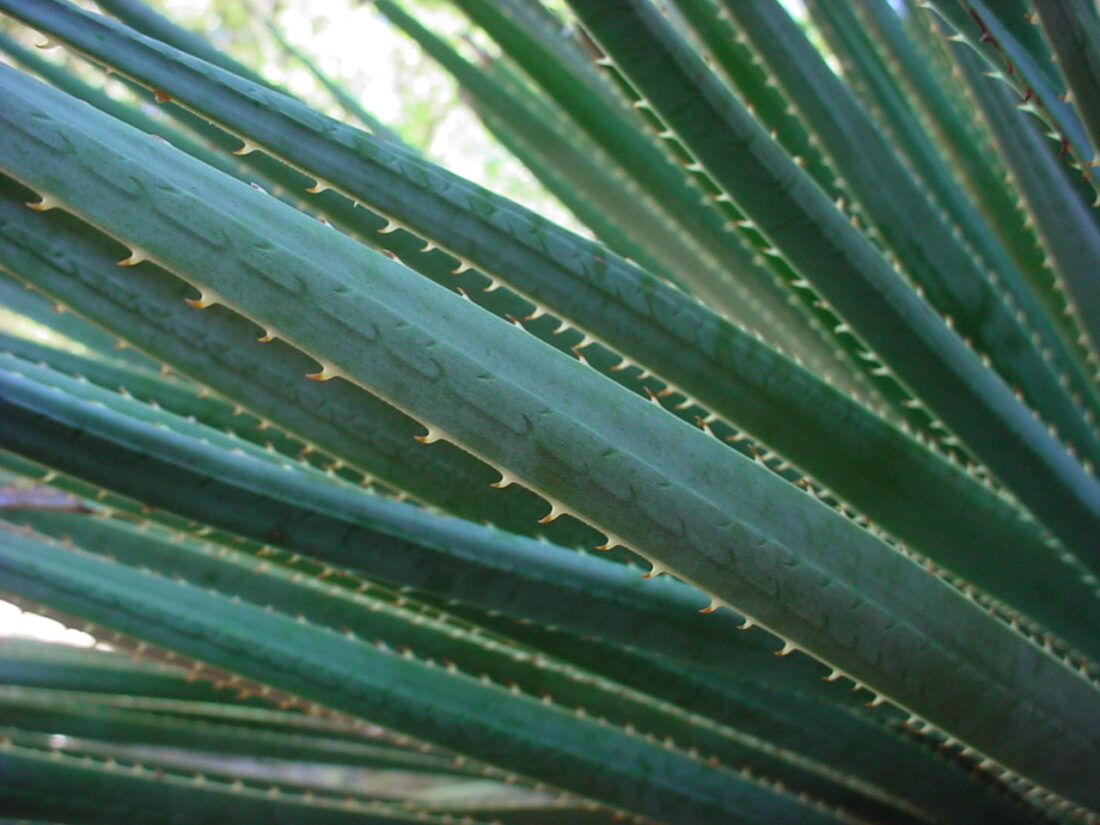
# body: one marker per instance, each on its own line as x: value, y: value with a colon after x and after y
x: 556, y: 509
x: 611, y: 541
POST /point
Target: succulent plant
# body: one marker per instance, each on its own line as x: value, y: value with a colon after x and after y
x: 820, y: 386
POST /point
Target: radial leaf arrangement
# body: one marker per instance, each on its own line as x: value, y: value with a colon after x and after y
x: 768, y: 498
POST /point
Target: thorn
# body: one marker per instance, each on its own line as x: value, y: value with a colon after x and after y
x: 506, y: 479
x: 247, y: 146
x: 710, y: 608
x: 318, y: 187
x: 654, y: 571
x: 46, y: 203
x: 161, y: 96
x: 556, y: 510
x: 267, y: 337
x: 204, y: 300
x: 390, y: 226
x: 610, y: 541
x: 136, y: 257
x: 326, y: 373
x: 702, y: 424
x: 431, y: 436
x: 787, y: 649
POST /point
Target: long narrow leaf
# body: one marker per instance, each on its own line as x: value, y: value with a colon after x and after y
x: 709, y: 515
x: 909, y: 336
x: 951, y: 275
x: 346, y: 674
x: 1068, y: 231
x: 846, y: 459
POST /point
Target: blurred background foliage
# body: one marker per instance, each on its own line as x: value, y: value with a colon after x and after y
x: 352, y: 43
x: 394, y: 80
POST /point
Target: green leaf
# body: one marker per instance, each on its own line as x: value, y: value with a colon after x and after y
x: 924, y: 500
x: 71, y: 330
x: 416, y: 697
x: 181, y: 398
x: 235, y: 487
x: 879, y: 306
x: 742, y: 72
x: 77, y: 267
x: 1009, y: 60
x: 882, y: 95
x: 1074, y: 34
x: 404, y: 627
x: 627, y: 225
x: 707, y: 514
x: 73, y: 714
x: 1068, y: 231
x: 103, y: 791
x: 929, y: 88
x: 738, y: 283
x: 34, y: 664
x: 973, y: 287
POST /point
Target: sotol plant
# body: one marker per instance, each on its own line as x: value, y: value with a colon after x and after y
x: 830, y: 366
